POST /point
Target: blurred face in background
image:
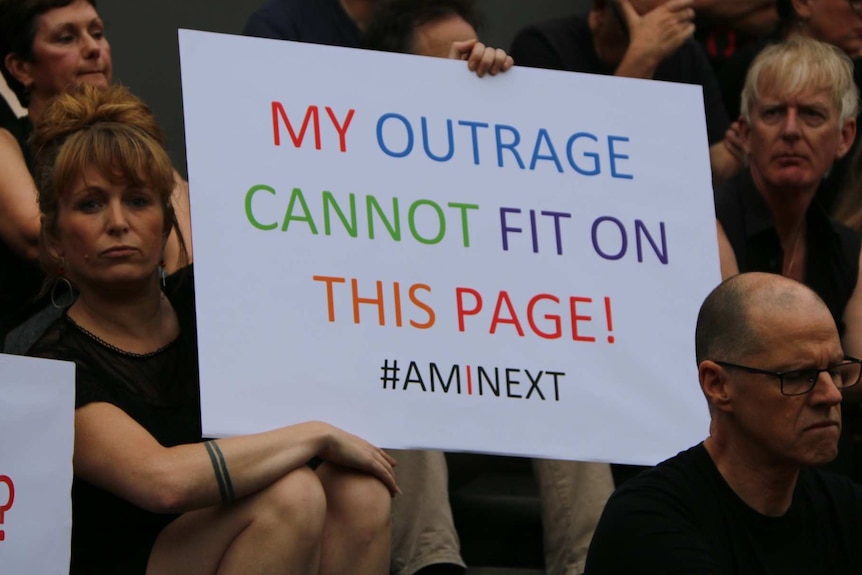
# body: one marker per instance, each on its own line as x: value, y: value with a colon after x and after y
x: 837, y: 22
x: 435, y: 38
x: 69, y: 48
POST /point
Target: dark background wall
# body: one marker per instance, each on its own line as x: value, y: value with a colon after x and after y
x: 143, y: 37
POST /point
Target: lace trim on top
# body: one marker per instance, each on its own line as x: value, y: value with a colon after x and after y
x: 116, y: 349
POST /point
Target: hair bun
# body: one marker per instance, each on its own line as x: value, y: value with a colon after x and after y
x: 86, y: 106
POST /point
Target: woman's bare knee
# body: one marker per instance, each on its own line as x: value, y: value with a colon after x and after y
x: 296, y: 500
x: 282, y: 522
x: 358, y: 531
x: 357, y: 499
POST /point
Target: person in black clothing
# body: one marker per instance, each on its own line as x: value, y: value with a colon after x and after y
x: 649, y: 39
x: 46, y: 46
x: 149, y: 496
x: 39, y: 55
x: 747, y: 500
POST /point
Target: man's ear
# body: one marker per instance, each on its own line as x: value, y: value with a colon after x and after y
x: 848, y: 134
x: 19, y: 69
x: 745, y: 134
x: 715, y: 385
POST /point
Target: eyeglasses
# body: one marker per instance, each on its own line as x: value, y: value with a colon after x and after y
x: 801, y: 381
x: 856, y: 5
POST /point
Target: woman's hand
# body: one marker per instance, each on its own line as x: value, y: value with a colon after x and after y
x: 348, y: 450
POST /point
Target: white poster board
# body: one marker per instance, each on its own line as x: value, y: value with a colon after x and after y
x: 428, y: 259
x: 37, y: 406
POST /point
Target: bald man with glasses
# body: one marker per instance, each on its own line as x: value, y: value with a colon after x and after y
x: 749, y: 499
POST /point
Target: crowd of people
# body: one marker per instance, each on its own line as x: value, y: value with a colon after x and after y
x: 96, y: 268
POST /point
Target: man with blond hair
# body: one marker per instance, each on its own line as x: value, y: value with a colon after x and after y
x: 747, y: 500
x: 799, y: 110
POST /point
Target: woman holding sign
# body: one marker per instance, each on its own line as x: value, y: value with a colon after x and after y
x: 46, y: 46
x: 149, y: 496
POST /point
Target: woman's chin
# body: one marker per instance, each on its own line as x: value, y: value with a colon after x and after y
x: 96, y: 80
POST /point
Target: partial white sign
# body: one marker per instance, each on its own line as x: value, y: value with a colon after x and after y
x: 429, y: 259
x: 37, y: 406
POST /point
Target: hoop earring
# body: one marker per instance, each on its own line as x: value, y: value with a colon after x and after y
x: 68, y: 286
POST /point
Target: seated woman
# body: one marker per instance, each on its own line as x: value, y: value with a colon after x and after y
x: 46, y: 46
x: 799, y: 109
x: 149, y: 496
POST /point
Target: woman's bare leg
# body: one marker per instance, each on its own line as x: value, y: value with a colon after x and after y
x: 357, y: 534
x: 275, y: 531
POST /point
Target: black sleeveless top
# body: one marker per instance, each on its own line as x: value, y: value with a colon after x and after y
x: 159, y: 390
x: 832, y: 267
x: 20, y: 280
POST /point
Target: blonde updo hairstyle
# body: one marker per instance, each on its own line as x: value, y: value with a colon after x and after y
x: 106, y: 129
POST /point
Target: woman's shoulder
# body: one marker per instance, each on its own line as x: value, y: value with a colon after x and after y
x: 14, y: 136
x: 9, y: 144
x: 49, y: 336
x: 20, y: 340
x: 14, y: 151
x: 18, y: 130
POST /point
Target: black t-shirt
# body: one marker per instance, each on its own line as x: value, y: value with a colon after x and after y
x: 159, y: 391
x: 682, y: 518
x: 721, y: 42
x: 567, y: 44
x: 313, y: 21
x: 20, y: 280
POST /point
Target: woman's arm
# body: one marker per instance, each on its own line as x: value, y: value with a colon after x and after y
x: 114, y: 452
x: 19, y: 224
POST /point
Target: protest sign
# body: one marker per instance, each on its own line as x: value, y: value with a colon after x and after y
x: 37, y: 405
x: 510, y: 264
